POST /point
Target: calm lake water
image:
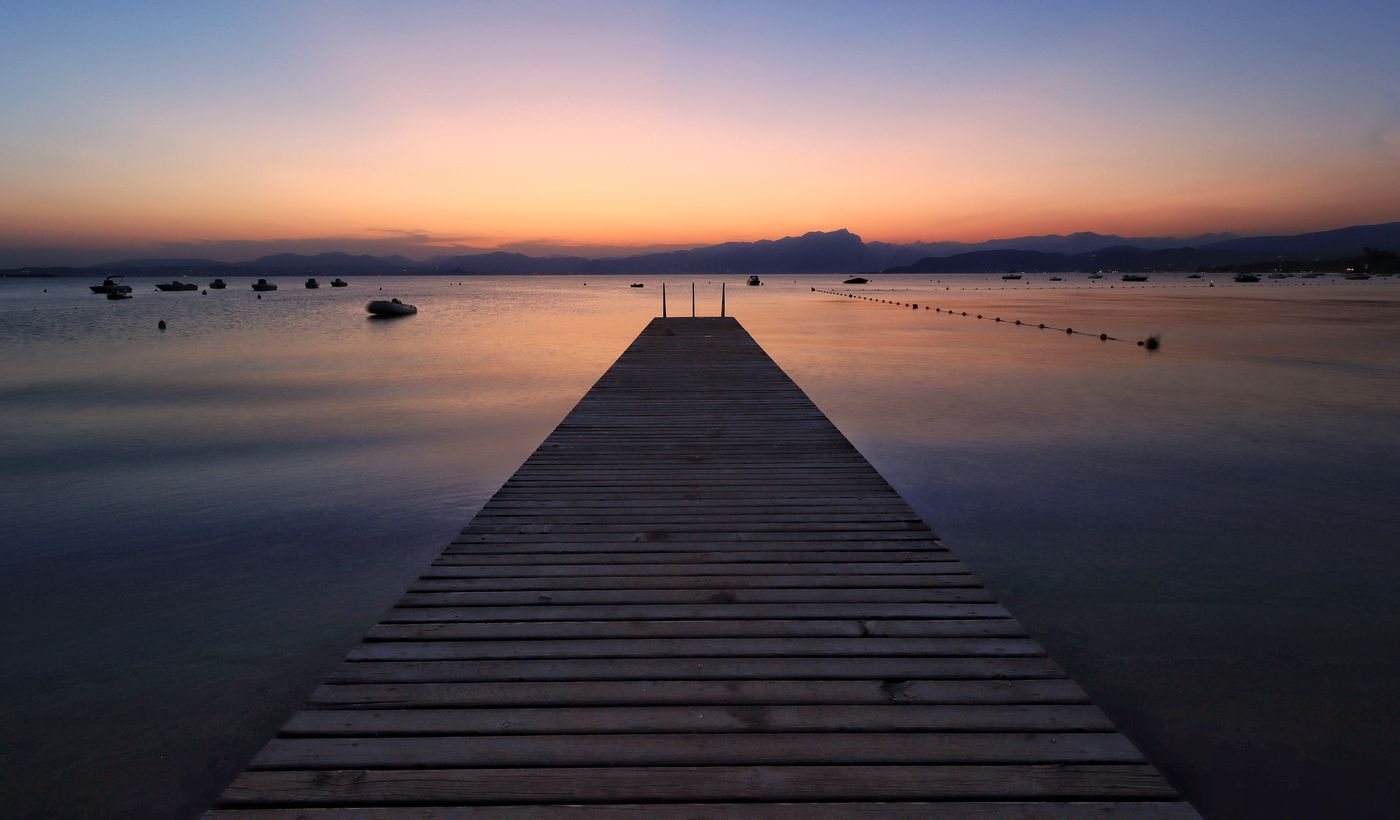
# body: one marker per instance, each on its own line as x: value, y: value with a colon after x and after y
x: 199, y: 522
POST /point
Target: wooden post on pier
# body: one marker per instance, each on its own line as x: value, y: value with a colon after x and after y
x: 697, y: 599
x: 663, y: 300
x: 721, y: 300
x: 692, y: 300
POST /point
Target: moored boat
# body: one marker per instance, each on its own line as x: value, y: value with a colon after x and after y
x: 390, y: 307
x: 263, y: 284
x: 218, y: 284
x: 856, y: 280
x: 1134, y: 277
x: 1096, y: 276
x: 312, y: 284
x: 753, y: 280
x: 339, y: 283
x: 638, y: 285
x: 175, y: 285
x: 111, y: 284
x: 1012, y: 276
x: 1246, y: 277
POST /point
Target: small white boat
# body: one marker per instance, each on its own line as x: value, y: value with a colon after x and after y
x: 391, y: 307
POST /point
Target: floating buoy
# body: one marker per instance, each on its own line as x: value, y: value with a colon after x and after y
x: 259, y: 295
x: 1018, y: 321
x: 161, y: 324
x: 1153, y: 343
x: 1069, y: 330
x: 1103, y: 337
x: 1042, y: 325
x: 204, y: 293
x: 1141, y: 343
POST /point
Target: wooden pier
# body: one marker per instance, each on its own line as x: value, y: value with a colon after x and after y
x: 697, y: 599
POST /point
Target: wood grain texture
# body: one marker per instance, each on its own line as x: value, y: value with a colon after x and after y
x: 696, y: 599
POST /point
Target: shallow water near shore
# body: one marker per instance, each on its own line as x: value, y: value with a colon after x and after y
x: 200, y: 521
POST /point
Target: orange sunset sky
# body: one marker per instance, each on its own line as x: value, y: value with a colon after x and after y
x: 232, y: 130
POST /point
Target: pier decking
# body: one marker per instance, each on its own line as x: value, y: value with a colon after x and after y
x: 697, y: 599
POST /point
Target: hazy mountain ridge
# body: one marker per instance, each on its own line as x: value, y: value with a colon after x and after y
x: 836, y: 251
x: 1322, y: 246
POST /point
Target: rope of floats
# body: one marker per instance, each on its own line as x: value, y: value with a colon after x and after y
x: 1150, y: 343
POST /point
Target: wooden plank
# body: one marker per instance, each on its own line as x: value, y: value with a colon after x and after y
x: 617, y: 604
x: 697, y: 599
x: 445, y: 649
x: 465, y: 582
x: 604, y: 611
x: 756, y: 628
x: 727, y: 539
x: 483, y: 558
x: 622, y: 548
x: 468, y: 570
x: 690, y: 749
x: 832, y: 810
x: 680, y: 668
x: 700, y: 718
x: 720, y: 783
x: 687, y: 692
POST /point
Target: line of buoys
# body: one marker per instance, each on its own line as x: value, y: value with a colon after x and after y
x: 1150, y: 343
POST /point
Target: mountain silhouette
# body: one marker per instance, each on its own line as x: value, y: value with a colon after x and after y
x: 835, y: 251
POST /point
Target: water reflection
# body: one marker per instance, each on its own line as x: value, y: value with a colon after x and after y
x: 200, y: 521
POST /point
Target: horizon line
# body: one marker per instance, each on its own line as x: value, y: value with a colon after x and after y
x: 424, y: 251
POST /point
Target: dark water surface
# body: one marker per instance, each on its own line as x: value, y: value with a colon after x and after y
x: 198, y: 523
